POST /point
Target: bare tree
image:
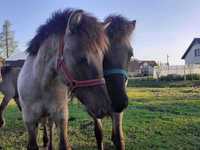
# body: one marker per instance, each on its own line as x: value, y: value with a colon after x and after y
x: 7, y: 41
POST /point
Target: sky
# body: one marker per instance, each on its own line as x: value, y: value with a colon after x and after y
x: 164, y: 27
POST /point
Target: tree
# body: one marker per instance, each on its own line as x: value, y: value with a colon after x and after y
x: 7, y: 41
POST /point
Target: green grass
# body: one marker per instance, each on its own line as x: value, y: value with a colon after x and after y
x: 156, y: 119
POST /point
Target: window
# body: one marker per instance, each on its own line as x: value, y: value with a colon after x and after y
x: 197, y: 52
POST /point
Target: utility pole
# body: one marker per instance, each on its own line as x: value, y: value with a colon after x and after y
x: 167, y: 64
x: 167, y: 60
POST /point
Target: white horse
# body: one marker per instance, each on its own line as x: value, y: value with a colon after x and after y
x: 64, y: 57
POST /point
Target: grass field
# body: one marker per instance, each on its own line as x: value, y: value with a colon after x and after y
x: 156, y: 119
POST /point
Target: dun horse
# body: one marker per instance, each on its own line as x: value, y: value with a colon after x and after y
x: 115, y: 66
x: 65, y: 57
x: 8, y: 86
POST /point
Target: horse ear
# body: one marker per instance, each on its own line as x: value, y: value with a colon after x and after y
x: 74, y: 20
x: 133, y: 24
x: 106, y: 25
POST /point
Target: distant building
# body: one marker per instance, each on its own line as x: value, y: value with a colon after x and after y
x: 16, y: 60
x: 19, y: 55
x: 14, y: 63
x: 141, y: 67
x: 192, y: 54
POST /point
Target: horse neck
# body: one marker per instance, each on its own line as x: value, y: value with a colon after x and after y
x: 108, y: 59
x: 45, y: 61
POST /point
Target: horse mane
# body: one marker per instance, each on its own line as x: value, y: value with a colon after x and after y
x: 90, y: 31
x: 5, y: 70
x: 120, y: 28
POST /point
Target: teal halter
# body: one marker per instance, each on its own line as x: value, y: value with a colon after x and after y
x: 116, y: 71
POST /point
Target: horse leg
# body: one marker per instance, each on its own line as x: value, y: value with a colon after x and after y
x: 98, y: 133
x: 3, y: 106
x: 32, y: 135
x: 50, y: 127
x: 17, y: 102
x: 45, y: 135
x: 117, y: 131
x: 64, y: 143
x: 61, y: 120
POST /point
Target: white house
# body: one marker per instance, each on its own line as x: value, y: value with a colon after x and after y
x: 192, y: 54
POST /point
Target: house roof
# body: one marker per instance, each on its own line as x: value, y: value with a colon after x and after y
x: 14, y: 63
x: 195, y: 40
x: 152, y: 63
x: 20, y: 55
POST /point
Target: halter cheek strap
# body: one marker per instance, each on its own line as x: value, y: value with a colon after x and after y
x: 73, y: 83
x: 109, y: 72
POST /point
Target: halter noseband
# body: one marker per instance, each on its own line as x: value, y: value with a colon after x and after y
x: 117, y: 71
x: 71, y: 82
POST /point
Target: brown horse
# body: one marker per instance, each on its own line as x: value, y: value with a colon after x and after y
x: 115, y: 65
x: 65, y: 57
x: 8, y: 86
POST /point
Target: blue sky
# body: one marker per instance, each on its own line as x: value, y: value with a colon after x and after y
x: 163, y: 26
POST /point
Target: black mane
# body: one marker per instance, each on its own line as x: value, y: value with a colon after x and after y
x: 119, y: 29
x: 56, y: 24
x: 89, y: 30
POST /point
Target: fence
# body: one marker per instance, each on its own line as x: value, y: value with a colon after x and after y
x: 176, y: 70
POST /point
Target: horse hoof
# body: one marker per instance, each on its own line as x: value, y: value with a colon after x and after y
x: 45, y: 142
x: 32, y: 147
x: 100, y: 147
x: 69, y: 148
x: 119, y: 144
x: 2, y: 123
x: 50, y: 148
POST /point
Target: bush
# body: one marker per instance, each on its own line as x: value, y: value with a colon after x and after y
x: 193, y: 77
x: 172, y: 77
x: 161, y: 84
